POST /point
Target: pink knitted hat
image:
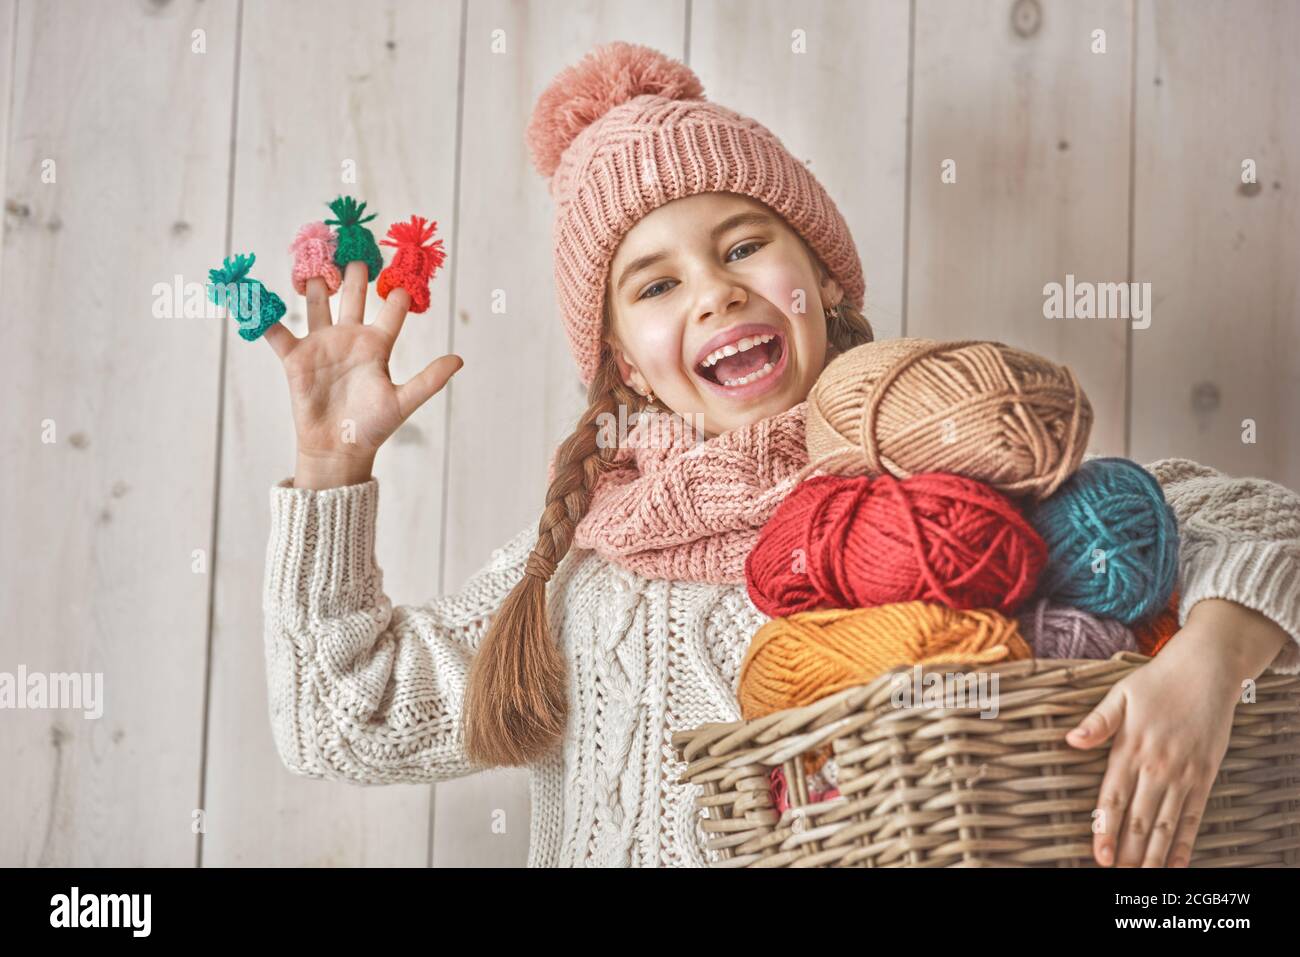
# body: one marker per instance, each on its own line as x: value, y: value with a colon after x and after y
x: 626, y: 130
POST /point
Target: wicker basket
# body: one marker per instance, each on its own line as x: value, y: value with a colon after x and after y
x: 942, y: 787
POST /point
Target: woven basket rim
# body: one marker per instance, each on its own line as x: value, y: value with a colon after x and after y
x: 847, y: 699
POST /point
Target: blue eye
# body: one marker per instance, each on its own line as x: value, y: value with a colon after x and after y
x: 655, y: 286
x: 646, y: 294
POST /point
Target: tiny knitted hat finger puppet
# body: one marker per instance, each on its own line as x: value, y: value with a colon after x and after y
x: 355, y: 241
x: 254, y: 306
x: 313, y: 257
x: 414, y: 263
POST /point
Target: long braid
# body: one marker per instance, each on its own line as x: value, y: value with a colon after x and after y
x: 516, y: 704
x: 847, y: 328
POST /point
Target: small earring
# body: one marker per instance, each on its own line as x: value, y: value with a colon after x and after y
x: 833, y: 312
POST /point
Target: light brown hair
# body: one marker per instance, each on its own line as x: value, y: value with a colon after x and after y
x: 516, y: 704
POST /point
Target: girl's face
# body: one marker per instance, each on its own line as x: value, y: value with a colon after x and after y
x: 718, y: 309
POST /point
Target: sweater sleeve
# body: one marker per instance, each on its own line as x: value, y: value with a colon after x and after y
x: 1239, y: 539
x: 361, y: 690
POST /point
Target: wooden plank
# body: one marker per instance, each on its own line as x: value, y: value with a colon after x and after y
x: 1214, y: 90
x: 100, y: 525
x: 376, y: 86
x: 518, y: 395
x: 8, y: 42
x: 814, y: 102
x: 1038, y: 127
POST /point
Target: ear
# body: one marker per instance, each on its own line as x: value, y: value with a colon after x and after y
x: 627, y: 370
x: 832, y: 292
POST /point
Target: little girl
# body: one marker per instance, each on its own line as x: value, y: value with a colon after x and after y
x: 701, y: 267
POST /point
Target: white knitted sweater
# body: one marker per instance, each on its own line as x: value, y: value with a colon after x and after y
x: 368, y: 692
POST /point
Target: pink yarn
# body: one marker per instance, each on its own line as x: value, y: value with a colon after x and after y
x: 626, y: 130
x: 679, y: 509
x: 313, y: 257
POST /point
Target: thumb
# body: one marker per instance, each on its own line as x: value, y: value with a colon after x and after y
x: 426, y: 383
x: 1101, y: 723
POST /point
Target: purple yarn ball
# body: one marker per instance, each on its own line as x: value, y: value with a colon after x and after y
x: 1060, y: 631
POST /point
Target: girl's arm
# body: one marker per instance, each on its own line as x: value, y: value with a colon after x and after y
x: 361, y: 690
x: 1170, y: 720
x: 1239, y: 540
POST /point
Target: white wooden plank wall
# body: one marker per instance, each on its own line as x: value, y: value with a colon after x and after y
x: 168, y: 433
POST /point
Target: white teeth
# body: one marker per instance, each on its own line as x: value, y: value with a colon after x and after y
x: 756, y: 374
x: 744, y: 345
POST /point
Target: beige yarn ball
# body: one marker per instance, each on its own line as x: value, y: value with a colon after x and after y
x: 984, y: 410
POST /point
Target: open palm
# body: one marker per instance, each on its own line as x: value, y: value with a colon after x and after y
x: 344, y: 401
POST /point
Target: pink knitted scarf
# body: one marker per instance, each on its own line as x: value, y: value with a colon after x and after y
x: 679, y: 508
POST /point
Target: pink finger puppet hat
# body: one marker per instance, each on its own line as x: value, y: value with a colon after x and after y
x: 313, y: 257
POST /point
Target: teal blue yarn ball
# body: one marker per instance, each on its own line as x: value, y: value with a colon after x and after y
x: 1112, y: 541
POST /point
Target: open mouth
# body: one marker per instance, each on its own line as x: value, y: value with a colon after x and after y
x: 742, y: 363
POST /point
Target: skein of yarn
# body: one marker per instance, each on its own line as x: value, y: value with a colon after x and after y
x: 1112, y: 541
x: 857, y: 542
x: 1153, y: 634
x: 1059, y: 631
x: 983, y: 410
x: 796, y: 660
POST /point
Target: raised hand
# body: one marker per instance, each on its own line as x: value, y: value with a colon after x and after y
x: 345, y: 403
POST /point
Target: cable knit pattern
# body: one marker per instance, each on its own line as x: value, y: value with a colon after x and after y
x: 1239, y: 540
x: 364, y: 691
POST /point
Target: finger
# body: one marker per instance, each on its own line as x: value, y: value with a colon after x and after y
x: 1112, y: 800
x: 1166, y: 826
x: 1140, y: 818
x: 414, y: 393
x: 352, y: 297
x: 393, y: 313
x: 1189, y: 823
x: 280, y: 339
x: 1101, y: 723
x: 318, y: 304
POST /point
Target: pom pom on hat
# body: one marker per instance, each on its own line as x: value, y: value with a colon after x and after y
x: 254, y: 306
x: 313, y: 257
x: 414, y: 263
x: 356, y: 242
x: 606, y: 77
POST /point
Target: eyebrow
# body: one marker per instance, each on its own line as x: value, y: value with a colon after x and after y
x: 730, y: 223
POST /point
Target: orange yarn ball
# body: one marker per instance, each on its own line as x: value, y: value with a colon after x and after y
x: 796, y: 660
x: 1154, y: 633
x: 982, y: 410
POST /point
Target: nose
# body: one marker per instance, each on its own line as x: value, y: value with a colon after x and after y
x: 718, y: 293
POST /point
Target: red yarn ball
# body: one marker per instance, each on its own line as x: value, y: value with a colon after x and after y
x: 858, y: 542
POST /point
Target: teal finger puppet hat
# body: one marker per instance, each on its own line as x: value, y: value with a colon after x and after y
x: 255, y: 307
